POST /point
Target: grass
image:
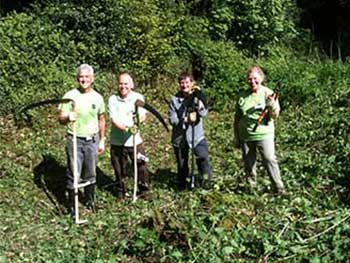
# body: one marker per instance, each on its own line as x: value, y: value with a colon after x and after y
x: 228, y: 223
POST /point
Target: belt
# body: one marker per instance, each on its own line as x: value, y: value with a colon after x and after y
x: 85, y: 138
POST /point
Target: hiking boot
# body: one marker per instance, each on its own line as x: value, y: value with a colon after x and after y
x: 89, y: 192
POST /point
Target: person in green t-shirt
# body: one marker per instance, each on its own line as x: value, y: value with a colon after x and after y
x: 121, y: 108
x: 88, y: 115
x: 251, y: 135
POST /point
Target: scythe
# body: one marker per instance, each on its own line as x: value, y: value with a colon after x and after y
x: 23, y: 112
x: 140, y: 103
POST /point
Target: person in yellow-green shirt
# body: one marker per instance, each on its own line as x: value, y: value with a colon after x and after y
x: 251, y: 137
x: 88, y: 114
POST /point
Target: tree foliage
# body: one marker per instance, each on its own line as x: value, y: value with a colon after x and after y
x: 154, y: 40
x: 34, y: 60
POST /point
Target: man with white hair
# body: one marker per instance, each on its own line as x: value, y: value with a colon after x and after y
x: 88, y: 114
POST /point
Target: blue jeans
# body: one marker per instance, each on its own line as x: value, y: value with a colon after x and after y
x: 86, y: 159
x: 267, y: 150
x: 201, y: 154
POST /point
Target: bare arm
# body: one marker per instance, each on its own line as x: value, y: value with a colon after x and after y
x: 102, y: 126
x: 274, y: 107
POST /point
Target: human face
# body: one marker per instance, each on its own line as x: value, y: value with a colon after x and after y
x: 85, y: 79
x: 125, y: 85
x: 186, y: 86
x: 254, y: 81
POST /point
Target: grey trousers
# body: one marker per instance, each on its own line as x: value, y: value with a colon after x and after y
x: 267, y: 150
x: 201, y: 153
x: 86, y: 159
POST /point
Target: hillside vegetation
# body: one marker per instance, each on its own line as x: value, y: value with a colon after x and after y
x: 155, y: 42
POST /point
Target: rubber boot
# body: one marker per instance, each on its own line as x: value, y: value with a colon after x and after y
x: 71, y: 206
x: 89, y: 192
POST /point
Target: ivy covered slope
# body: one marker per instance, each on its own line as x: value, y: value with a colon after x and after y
x: 39, y: 52
x: 227, y: 223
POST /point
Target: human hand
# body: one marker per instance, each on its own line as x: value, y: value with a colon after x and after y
x: 101, y: 145
x: 72, y: 116
x: 271, y: 103
x: 133, y: 129
x: 192, y: 117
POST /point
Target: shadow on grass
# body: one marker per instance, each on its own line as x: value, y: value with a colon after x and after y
x: 104, y: 182
x: 50, y: 176
x: 164, y: 178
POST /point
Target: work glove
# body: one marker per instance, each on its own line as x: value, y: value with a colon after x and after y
x: 72, y: 116
x: 101, y: 145
x: 142, y: 157
x: 192, y: 117
x: 133, y: 129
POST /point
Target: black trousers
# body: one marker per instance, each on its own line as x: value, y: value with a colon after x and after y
x: 120, y: 156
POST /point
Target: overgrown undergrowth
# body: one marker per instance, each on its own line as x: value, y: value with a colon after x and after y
x: 228, y: 223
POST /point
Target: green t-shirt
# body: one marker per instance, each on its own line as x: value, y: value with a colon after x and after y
x: 248, y: 109
x: 88, y: 107
x: 122, y: 110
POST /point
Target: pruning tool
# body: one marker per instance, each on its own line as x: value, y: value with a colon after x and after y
x: 265, y: 110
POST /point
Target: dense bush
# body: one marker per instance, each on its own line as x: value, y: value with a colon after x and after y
x: 153, y: 40
x: 135, y: 36
x: 35, y: 58
x: 251, y: 25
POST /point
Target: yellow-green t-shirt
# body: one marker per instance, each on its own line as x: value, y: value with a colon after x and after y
x: 88, y: 107
x: 248, y: 108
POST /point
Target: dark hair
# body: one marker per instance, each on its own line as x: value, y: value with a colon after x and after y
x: 185, y: 75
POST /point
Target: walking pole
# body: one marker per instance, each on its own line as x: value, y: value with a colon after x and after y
x: 193, y: 163
x: 134, y: 198
x: 194, y: 109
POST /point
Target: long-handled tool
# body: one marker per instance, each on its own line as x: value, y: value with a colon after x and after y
x: 134, y: 198
x: 23, y: 112
x: 140, y: 103
x: 76, y: 177
x: 193, y: 158
x: 194, y: 109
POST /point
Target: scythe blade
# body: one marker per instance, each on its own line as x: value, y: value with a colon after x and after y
x: 152, y: 110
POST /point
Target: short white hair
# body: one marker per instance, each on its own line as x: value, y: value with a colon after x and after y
x: 86, y: 67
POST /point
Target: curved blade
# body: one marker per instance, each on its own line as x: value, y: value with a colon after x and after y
x: 27, y: 117
x: 140, y: 103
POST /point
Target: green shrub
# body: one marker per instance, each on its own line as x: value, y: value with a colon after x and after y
x: 35, y: 58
